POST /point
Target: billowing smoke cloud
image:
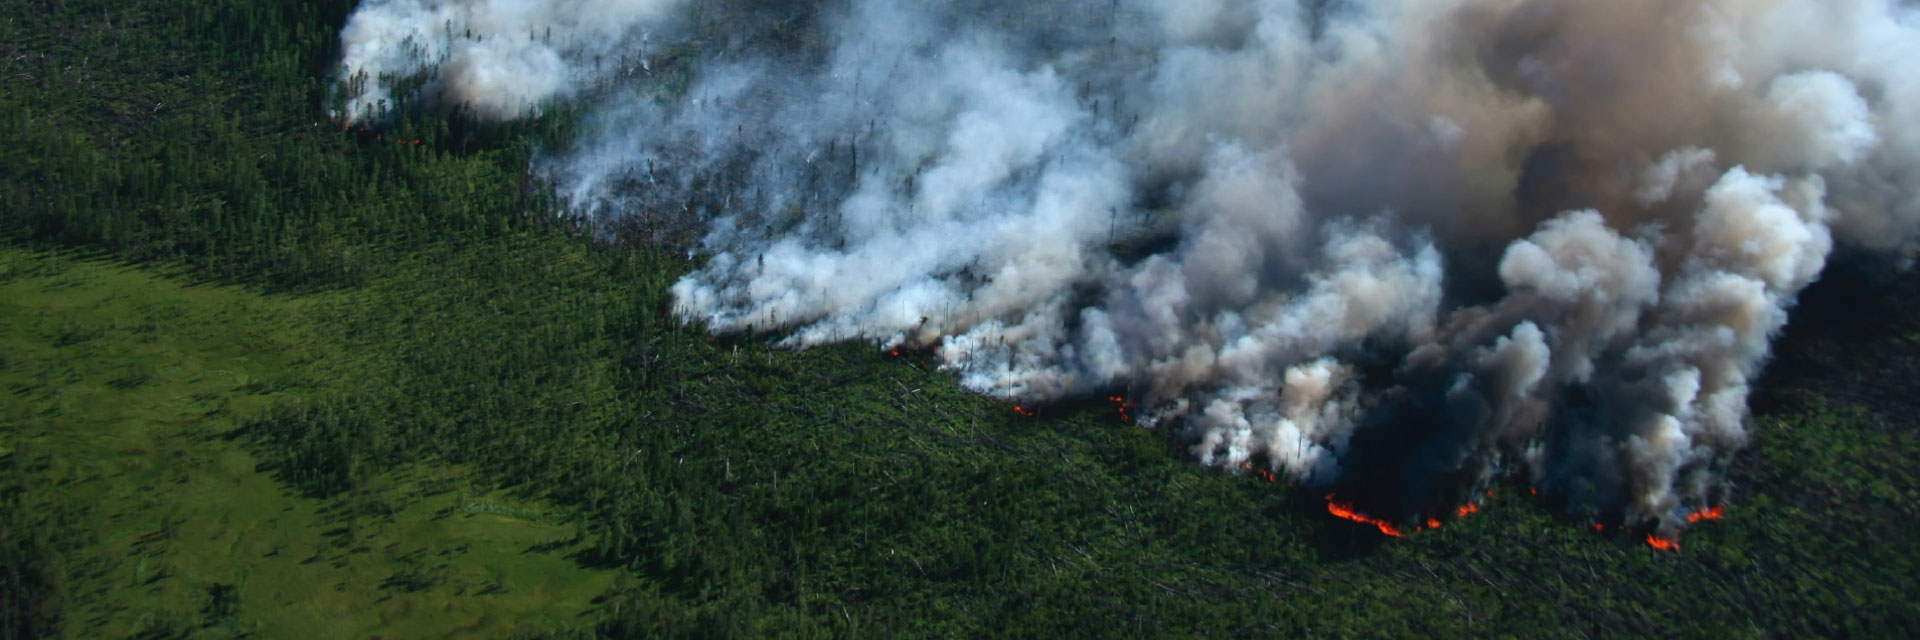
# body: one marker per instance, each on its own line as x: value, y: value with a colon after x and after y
x: 1405, y: 246
x: 495, y: 58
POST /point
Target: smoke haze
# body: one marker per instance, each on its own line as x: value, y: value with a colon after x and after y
x: 1406, y: 246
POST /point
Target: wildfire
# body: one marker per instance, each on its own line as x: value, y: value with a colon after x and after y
x: 1597, y: 527
x: 893, y: 352
x: 1713, y: 513
x: 1673, y: 544
x: 1024, y: 411
x: 1347, y: 512
x: 1248, y: 466
x: 1466, y: 510
x: 1124, y: 406
x: 1433, y: 523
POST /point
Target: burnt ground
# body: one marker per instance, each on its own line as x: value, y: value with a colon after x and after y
x: 1853, y: 344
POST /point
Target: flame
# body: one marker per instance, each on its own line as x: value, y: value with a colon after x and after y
x: 893, y: 352
x: 1433, y: 523
x: 1597, y: 527
x: 1663, y: 544
x: 1706, y: 514
x: 1466, y: 510
x: 1247, y: 466
x: 1024, y: 411
x: 1534, y: 490
x: 1124, y: 406
x: 1347, y: 512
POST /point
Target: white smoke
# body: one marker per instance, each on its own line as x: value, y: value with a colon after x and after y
x: 497, y: 58
x: 1420, y: 243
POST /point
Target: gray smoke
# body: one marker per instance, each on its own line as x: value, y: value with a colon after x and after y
x: 1414, y: 244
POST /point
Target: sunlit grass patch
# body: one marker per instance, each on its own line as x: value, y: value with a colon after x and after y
x: 185, y: 531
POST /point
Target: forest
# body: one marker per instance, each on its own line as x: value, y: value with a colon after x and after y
x: 268, y: 375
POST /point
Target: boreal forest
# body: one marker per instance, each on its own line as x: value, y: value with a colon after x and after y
x: 275, y: 363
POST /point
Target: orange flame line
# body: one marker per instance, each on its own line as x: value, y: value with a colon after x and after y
x: 1347, y: 512
x: 1706, y: 514
x: 1466, y: 510
x: 1663, y: 544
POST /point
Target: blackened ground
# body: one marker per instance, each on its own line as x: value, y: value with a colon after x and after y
x: 1853, y: 343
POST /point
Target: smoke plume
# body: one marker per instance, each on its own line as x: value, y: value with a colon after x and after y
x: 1409, y: 247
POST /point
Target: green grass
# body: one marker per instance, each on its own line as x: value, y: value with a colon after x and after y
x: 124, y: 394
